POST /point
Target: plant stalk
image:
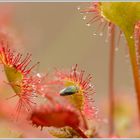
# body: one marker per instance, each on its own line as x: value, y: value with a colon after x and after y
x: 111, y: 82
x: 78, y: 130
x: 84, y: 121
x: 135, y: 69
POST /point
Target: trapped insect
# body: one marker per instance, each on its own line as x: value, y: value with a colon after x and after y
x: 69, y: 90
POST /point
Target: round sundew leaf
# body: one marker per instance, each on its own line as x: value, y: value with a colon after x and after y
x: 74, y: 80
x: 76, y: 99
x: 14, y: 77
x: 57, y: 116
x: 123, y: 14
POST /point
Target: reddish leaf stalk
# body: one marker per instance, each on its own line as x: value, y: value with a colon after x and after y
x: 111, y: 81
x: 79, y: 131
x: 84, y: 121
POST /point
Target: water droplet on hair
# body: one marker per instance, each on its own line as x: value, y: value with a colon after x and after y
x: 42, y: 88
x: 101, y: 34
x: 39, y: 75
x: 88, y: 24
x: 84, y: 17
x: 78, y: 8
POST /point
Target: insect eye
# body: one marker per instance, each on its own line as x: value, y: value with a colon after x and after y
x: 69, y: 91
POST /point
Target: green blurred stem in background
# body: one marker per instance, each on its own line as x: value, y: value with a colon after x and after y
x: 126, y: 15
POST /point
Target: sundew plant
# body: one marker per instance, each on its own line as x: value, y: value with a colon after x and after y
x: 51, y: 85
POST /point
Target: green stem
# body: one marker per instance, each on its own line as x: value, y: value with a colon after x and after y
x: 135, y: 68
